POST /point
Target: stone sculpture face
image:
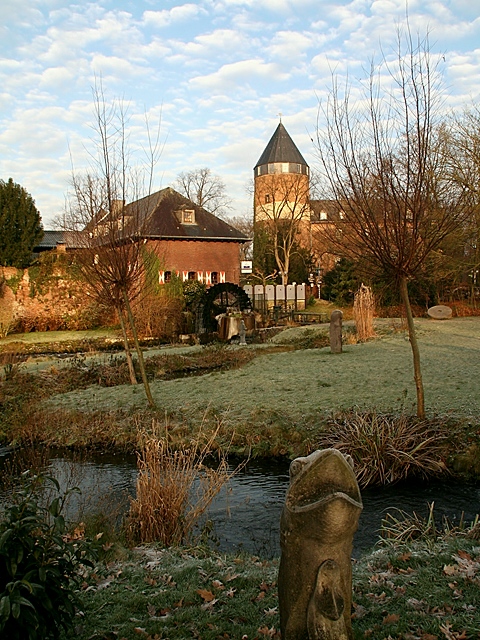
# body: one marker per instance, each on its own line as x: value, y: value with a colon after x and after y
x: 320, y: 516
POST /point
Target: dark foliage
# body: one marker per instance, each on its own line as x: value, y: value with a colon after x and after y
x: 340, y: 284
x: 39, y: 565
x: 20, y: 225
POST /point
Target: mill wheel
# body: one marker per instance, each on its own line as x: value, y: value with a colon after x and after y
x: 222, y: 298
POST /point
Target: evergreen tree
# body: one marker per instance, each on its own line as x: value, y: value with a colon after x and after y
x: 20, y: 225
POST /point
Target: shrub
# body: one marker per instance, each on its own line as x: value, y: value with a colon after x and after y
x: 388, y: 448
x: 39, y: 565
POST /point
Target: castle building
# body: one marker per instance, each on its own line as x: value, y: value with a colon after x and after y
x: 282, y: 181
x: 284, y: 210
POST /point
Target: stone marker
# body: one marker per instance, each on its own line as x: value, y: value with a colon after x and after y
x: 320, y: 516
x: 336, y: 331
x: 440, y: 312
x: 241, y: 332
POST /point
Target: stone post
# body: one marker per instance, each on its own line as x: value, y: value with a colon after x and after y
x: 336, y: 331
x: 242, y: 332
x: 320, y: 516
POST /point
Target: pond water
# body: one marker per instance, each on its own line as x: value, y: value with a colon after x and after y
x: 246, y: 514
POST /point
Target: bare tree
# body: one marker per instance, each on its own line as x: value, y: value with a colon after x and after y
x: 463, y: 140
x: 384, y: 163
x: 204, y: 188
x: 282, y: 216
x: 244, y: 224
x: 109, y: 231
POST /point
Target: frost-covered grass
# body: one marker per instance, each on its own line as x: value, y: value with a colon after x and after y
x: 376, y: 374
x: 423, y: 591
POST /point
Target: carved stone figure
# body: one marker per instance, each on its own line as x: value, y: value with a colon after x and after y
x: 336, y: 331
x: 320, y: 516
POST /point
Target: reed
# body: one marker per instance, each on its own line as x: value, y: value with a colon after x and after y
x: 174, y: 487
x: 389, y: 448
x: 363, y: 313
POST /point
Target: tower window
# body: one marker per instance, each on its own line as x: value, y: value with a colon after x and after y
x: 267, y: 198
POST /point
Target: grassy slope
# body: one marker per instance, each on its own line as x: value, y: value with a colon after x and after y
x: 298, y: 383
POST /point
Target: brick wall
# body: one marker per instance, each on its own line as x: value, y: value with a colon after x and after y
x: 199, y: 256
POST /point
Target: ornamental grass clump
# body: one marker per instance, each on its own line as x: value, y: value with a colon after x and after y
x: 174, y: 488
x: 402, y: 527
x: 363, y: 313
x: 388, y: 448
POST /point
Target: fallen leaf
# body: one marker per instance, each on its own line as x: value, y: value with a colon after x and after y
x: 391, y: 618
x: 449, y: 570
x: 218, y: 585
x: 151, y: 610
x: 178, y: 604
x: 231, y: 592
x: 231, y: 576
x: 428, y: 636
x: 140, y: 631
x: 206, y: 595
x: 464, y: 555
x: 359, y: 611
x: 209, y: 604
x: 270, y: 612
x: 404, y: 557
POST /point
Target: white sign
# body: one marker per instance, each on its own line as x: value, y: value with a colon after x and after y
x: 246, y: 266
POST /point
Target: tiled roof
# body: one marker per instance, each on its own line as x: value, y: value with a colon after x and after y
x: 281, y: 148
x: 51, y: 239
x: 158, y: 216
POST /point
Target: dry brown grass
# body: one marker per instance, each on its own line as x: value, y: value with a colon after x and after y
x: 389, y: 448
x: 404, y: 527
x: 174, y: 488
x: 363, y: 313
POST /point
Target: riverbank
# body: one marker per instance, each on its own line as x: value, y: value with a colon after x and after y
x: 272, y: 399
x: 422, y: 591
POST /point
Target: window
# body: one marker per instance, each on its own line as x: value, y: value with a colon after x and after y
x: 214, y: 277
x: 323, y: 215
x: 267, y: 198
x: 167, y: 276
x: 188, y: 216
x: 192, y: 275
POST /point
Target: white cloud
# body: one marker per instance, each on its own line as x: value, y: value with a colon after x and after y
x: 167, y: 17
x: 245, y: 71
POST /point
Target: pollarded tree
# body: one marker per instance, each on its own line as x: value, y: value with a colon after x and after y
x: 20, y: 225
x: 204, y: 188
x: 384, y: 162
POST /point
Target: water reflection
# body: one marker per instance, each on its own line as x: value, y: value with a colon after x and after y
x: 246, y: 514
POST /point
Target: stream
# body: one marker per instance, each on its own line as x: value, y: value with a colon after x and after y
x: 246, y: 513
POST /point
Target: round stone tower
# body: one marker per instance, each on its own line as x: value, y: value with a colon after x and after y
x: 282, y: 180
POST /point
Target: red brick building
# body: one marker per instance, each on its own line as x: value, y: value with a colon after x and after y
x: 188, y: 240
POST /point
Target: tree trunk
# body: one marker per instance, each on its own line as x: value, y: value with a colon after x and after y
x: 412, y: 336
x: 128, y: 353
x: 141, y: 362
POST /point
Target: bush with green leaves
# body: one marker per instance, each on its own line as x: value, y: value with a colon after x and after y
x: 39, y: 563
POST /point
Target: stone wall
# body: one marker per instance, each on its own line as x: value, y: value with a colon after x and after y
x: 46, y: 297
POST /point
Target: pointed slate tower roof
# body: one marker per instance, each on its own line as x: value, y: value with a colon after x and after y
x: 281, y: 148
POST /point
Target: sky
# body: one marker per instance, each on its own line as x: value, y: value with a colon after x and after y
x: 215, y: 74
